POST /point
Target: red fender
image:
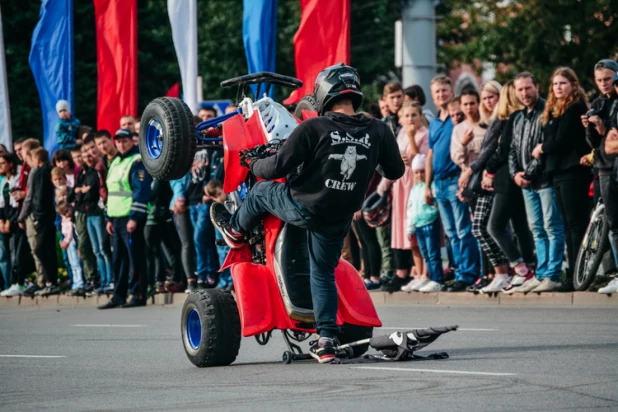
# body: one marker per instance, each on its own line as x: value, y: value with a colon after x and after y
x: 355, y: 304
x: 239, y: 135
x: 261, y: 307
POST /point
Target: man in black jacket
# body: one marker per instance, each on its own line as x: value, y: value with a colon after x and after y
x: 41, y: 210
x: 328, y: 161
x: 544, y: 217
x: 598, y: 124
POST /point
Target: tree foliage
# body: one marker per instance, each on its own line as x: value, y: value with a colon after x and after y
x: 532, y: 35
x: 535, y: 35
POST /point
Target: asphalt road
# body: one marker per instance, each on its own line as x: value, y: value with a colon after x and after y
x: 520, y: 359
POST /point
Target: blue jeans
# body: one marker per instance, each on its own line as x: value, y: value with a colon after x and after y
x: 324, y: 243
x: 225, y: 277
x: 206, y: 257
x: 428, y: 238
x: 458, y: 228
x: 5, y: 259
x: 98, y: 238
x: 77, y: 275
x: 547, y: 230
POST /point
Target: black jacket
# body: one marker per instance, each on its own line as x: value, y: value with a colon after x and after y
x: 565, y: 139
x: 527, y: 132
x: 329, y: 162
x: 43, y: 195
x: 87, y: 203
x: 608, y: 108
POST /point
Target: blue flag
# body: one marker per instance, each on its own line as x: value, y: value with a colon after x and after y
x: 259, y: 34
x: 51, y: 62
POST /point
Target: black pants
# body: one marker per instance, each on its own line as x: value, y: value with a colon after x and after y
x: 129, y: 261
x: 572, y: 187
x: 21, y: 257
x: 370, y: 251
x: 187, y: 251
x: 171, y: 249
x: 609, y: 193
x: 403, y: 259
x: 155, y: 268
x: 509, y: 207
x: 45, y: 249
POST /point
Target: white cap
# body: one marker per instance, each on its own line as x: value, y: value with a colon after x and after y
x: 418, y: 163
x: 63, y: 105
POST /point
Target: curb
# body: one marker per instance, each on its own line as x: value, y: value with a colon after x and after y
x: 580, y: 299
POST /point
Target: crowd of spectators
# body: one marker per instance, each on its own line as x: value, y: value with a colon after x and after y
x: 499, y: 177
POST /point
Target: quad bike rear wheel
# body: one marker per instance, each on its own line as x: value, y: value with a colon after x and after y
x: 352, y: 333
x: 210, y: 327
x: 167, y: 138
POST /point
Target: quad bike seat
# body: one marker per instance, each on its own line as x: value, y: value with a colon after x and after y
x: 293, y: 273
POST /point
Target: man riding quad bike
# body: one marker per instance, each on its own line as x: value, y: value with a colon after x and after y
x: 328, y: 162
x: 287, y: 233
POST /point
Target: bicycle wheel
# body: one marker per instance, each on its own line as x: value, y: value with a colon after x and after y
x: 594, y: 246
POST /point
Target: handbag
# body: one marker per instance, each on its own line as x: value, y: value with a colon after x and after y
x: 474, y: 188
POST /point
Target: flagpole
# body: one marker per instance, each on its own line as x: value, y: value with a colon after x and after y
x: 5, y: 111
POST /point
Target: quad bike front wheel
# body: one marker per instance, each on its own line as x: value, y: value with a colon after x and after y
x: 210, y: 327
x: 167, y: 138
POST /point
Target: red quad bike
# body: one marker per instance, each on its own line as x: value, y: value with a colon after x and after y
x: 271, y: 273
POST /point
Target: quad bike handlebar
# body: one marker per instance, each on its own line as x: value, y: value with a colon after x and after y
x: 263, y: 77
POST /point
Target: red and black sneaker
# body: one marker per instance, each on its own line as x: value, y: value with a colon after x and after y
x: 323, y: 350
x: 221, y: 219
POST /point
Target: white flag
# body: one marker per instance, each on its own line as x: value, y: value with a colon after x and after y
x: 5, y: 111
x: 183, y: 18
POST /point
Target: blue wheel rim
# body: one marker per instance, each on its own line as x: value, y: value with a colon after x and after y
x: 154, y: 138
x: 194, y: 329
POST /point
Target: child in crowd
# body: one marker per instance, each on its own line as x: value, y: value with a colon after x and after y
x: 59, y: 181
x: 76, y: 155
x: 454, y: 111
x: 62, y: 159
x: 67, y: 126
x: 68, y: 242
x: 422, y: 220
x: 213, y: 191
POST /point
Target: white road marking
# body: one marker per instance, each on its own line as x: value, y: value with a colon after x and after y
x: 31, y: 356
x: 460, y: 329
x: 433, y: 371
x: 109, y: 326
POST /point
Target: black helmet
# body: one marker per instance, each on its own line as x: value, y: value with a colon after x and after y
x: 376, y: 209
x: 335, y: 81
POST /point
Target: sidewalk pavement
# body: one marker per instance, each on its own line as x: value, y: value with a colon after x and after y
x: 581, y: 299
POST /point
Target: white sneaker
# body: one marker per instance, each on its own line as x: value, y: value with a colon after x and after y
x: 518, y: 280
x: 408, y: 286
x: 612, y: 287
x: 424, y: 281
x: 547, y: 285
x: 14, y: 290
x: 530, y: 284
x: 496, y: 285
x: 431, y: 286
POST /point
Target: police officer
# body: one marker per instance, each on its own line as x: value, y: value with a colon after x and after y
x: 128, y: 186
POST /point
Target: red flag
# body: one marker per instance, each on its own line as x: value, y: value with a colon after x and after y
x: 322, y: 39
x: 116, y: 30
x: 173, y: 91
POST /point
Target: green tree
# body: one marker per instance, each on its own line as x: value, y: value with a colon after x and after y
x: 533, y: 35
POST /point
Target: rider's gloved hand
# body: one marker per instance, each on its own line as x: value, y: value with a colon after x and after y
x: 247, y: 156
